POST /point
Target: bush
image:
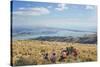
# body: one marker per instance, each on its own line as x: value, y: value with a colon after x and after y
x: 23, y: 61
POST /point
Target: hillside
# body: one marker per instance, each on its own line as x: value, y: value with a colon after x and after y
x: 89, y: 39
x: 29, y: 52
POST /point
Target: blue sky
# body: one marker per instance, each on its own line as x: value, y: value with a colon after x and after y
x: 59, y: 15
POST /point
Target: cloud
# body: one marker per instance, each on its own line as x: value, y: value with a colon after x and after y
x: 89, y: 7
x: 61, y: 7
x: 49, y: 6
x: 32, y: 11
x: 21, y: 8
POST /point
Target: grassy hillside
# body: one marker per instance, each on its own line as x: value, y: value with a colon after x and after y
x: 29, y: 52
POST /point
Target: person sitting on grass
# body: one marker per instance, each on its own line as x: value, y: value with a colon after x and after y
x: 46, y: 57
x: 63, y: 55
x: 53, y: 56
x: 75, y: 52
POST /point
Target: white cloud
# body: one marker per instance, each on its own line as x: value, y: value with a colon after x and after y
x: 49, y: 6
x: 21, y: 8
x: 61, y: 7
x: 89, y: 7
x: 32, y: 11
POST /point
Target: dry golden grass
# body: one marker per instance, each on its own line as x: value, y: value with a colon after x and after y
x: 28, y: 52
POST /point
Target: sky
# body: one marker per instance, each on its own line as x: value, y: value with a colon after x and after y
x: 57, y: 15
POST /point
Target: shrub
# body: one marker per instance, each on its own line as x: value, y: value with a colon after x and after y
x: 23, y: 61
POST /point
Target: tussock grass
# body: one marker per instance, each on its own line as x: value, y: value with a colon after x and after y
x: 29, y: 52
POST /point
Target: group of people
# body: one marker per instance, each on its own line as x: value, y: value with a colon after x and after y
x: 63, y: 54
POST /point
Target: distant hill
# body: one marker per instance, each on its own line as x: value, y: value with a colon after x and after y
x: 88, y: 39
